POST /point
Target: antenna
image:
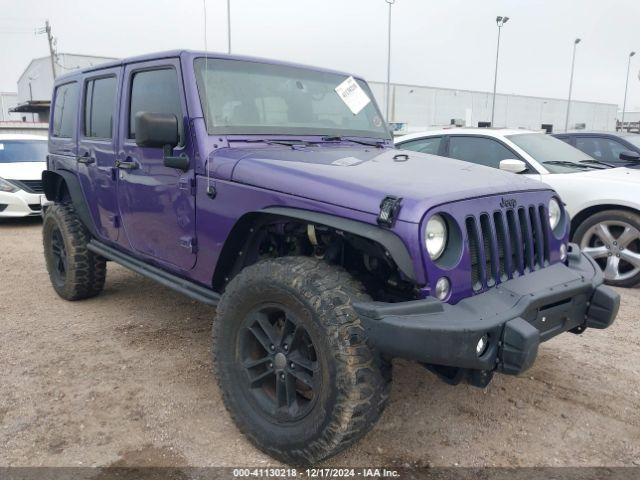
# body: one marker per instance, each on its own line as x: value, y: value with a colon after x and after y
x: 211, y: 191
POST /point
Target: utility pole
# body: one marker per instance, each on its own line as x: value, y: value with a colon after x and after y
x: 229, y: 27
x: 626, y: 86
x: 52, y: 45
x: 500, y: 21
x: 573, y: 64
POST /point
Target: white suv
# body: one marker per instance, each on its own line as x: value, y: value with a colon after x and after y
x: 22, y: 160
x: 604, y: 202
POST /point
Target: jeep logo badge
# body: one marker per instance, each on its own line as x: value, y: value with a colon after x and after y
x: 508, y: 202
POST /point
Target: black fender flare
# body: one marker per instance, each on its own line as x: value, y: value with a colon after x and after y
x: 55, y: 183
x: 389, y: 240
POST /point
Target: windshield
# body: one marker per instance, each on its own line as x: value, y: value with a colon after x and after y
x: 242, y: 97
x: 13, y: 151
x: 556, y: 155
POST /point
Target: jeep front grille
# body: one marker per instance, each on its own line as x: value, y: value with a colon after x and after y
x: 506, y: 244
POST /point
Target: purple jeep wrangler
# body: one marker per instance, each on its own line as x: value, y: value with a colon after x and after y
x: 273, y: 191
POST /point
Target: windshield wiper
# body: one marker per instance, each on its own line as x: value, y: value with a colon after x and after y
x: 286, y: 143
x: 565, y: 163
x: 598, y: 162
x: 337, y: 138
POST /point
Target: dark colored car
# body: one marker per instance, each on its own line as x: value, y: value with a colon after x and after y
x: 273, y: 191
x: 614, y: 148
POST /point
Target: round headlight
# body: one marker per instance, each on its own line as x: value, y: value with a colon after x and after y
x: 554, y: 213
x: 435, y: 236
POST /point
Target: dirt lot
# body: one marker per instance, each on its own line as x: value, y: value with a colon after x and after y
x: 125, y: 379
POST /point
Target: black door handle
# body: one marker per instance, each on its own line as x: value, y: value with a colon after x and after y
x: 86, y: 159
x: 126, y: 165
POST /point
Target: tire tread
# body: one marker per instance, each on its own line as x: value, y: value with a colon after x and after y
x: 363, y: 379
x: 86, y: 271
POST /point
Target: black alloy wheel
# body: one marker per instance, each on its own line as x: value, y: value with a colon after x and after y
x: 280, y: 363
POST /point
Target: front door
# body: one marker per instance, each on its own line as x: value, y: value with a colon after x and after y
x: 156, y: 203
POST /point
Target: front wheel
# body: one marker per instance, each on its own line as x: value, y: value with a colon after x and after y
x: 612, y: 239
x: 292, y: 361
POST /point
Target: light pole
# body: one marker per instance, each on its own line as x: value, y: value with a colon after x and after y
x: 573, y: 63
x: 390, y: 2
x: 229, y: 27
x: 626, y: 85
x: 500, y: 21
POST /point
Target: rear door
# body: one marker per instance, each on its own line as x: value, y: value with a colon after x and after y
x: 156, y: 203
x: 62, y: 130
x: 485, y: 151
x: 97, y: 148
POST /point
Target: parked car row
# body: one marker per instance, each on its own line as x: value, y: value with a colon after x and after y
x: 603, y: 201
x: 614, y: 148
x: 22, y: 161
x: 275, y: 192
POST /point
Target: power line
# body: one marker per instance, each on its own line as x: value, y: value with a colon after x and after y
x: 16, y: 31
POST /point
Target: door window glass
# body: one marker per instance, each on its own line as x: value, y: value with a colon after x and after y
x: 99, y: 106
x: 602, y: 149
x: 65, y: 110
x: 483, y: 151
x: 425, y: 145
x: 155, y: 91
x: 615, y: 149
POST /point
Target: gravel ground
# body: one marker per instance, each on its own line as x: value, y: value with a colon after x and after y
x: 125, y: 379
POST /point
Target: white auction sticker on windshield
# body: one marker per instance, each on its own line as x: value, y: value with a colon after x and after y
x: 352, y: 95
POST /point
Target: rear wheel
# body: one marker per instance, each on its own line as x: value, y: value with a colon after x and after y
x: 74, y: 270
x: 292, y: 361
x: 612, y: 239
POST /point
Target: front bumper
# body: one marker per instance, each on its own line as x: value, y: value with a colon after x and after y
x: 20, y: 204
x: 514, y: 317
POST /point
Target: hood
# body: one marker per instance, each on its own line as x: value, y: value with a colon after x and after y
x: 360, y: 177
x: 620, y: 174
x: 22, y: 170
x: 613, y: 186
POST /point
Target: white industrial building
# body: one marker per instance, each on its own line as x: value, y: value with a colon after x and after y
x: 8, y: 100
x: 17, y: 122
x: 630, y: 116
x: 423, y: 108
x: 35, y: 85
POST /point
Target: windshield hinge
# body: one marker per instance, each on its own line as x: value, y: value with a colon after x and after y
x: 389, y: 208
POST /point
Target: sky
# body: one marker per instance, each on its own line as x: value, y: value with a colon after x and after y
x: 445, y: 43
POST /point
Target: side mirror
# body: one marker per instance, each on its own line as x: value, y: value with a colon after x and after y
x: 160, y: 130
x: 155, y: 130
x: 630, y: 156
x: 513, y: 166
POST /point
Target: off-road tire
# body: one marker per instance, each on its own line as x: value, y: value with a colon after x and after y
x: 624, y: 217
x: 85, y: 271
x: 355, y: 381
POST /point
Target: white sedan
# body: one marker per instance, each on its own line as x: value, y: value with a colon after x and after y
x: 22, y: 160
x: 604, y: 203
